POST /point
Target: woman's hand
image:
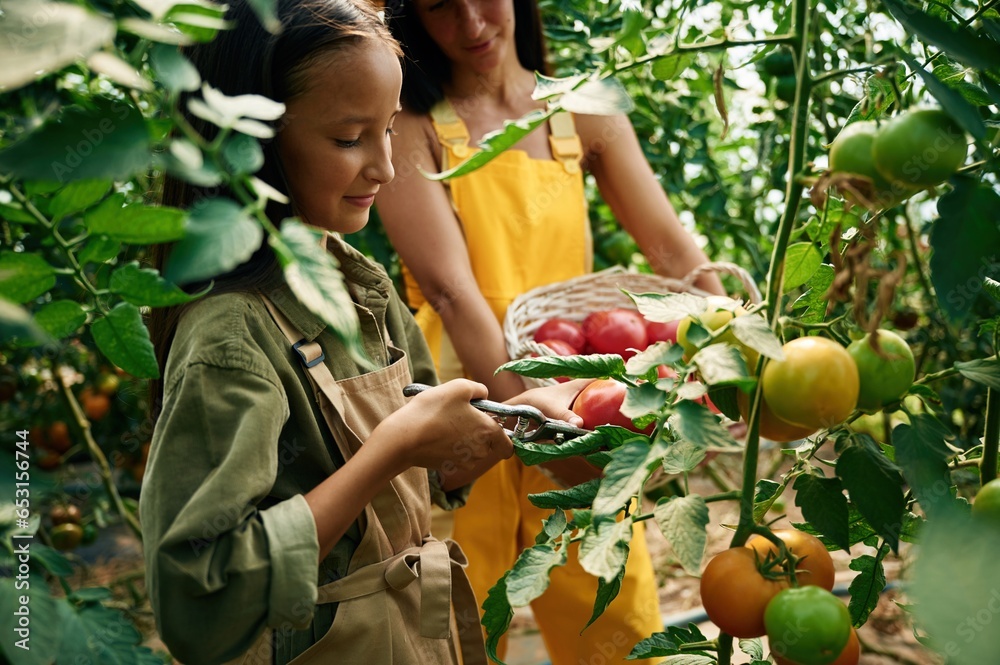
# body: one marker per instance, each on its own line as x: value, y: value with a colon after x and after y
x: 554, y: 401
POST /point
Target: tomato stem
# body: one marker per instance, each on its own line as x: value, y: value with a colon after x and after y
x: 991, y: 438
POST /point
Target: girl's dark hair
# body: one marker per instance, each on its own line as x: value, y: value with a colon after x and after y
x: 248, y: 59
x: 428, y: 69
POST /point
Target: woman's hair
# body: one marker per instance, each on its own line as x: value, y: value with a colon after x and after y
x: 248, y: 59
x: 428, y: 69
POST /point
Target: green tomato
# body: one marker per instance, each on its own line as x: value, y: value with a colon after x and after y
x: 718, y: 312
x: 779, y: 63
x: 784, y: 88
x: 987, y: 504
x: 851, y: 152
x: 920, y: 148
x: 807, y: 625
x: 884, y: 378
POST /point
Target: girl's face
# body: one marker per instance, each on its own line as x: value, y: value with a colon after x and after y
x: 334, y: 145
x: 472, y: 33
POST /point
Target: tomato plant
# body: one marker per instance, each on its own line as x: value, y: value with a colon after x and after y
x: 815, y: 567
x: 600, y: 403
x: 807, y: 625
x: 564, y: 330
x: 886, y: 373
x: 620, y: 331
x: 816, y: 385
x: 735, y: 594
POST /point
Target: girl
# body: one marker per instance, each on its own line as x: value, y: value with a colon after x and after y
x: 472, y: 246
x: 285, y: 506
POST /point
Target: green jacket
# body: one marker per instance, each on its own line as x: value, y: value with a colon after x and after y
x: 230, y: 544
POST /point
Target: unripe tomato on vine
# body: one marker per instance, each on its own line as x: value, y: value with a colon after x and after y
x: 815, y: 567
x: 816, y: 385
x: 885, y: 374
x: 807, y: 625
x: 735, y: 593
x: 920, y: 148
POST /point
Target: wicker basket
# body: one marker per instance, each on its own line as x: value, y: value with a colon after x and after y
x: 574, y: 298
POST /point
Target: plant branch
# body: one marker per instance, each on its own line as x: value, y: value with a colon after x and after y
x: 991, y: 438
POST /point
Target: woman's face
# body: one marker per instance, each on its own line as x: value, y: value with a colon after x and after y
x: 334, y: 145
x: 472, y: 33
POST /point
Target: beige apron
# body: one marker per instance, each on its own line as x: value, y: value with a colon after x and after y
x: 397, y: 598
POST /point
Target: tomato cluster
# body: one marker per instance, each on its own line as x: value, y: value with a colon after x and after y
x: 913, y: 151
x: 67, y: 532
x: 747, y: 593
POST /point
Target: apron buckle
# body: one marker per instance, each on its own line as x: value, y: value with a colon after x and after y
x: 310, y: 353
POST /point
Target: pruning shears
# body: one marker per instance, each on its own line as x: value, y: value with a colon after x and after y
x: 531, y: 424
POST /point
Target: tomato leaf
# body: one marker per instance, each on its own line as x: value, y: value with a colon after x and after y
x: 553, y: 527
x: 966, y: 241
x: 18, y: 328
x: 723, y: 365
x: 867, y: 586
x: 604, y: 547
x: 136, y: 223
x: 667, y: 307
x: 539, y: 453
x: 124, y: 340
x: 959, y: 42
x: 529, y: 577
x: 698, y: 429
x: 76, y: 196
x: 961, y: 111
x: 802, y: 260
x: 60, y: 318
x: 656, y: 645
x: 598, y: 97
x: 724, y: 397
x: 642, y: 399
x: 753, y: 331
x: 682, y: 521
x: 764, y: 492
x: 824, y: 505
x: 656, y: 354
x: 597, y: 365
x: 145, y: 287
x: 814, y: 300
x: 578, y: 496
x: 86, y: 637
x: 875, y: 485
x: 219, y: 236
x: 497, y: 614
x: 46, y: 630
x: 753, y: 648
x: 606, y: 592
x: 629, y: 467
x: 24, y: 276
x: 922, y: 454
x: 985, y: 371
x: 861, y: 531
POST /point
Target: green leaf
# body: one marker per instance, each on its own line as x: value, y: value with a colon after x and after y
x: 547, y: 87
x: 165, y: 33
x: 699, y: 426
x: 15, y: 212
x: 539, y: 453
x: 312, y: 274
x: 38, y: 38
x: 623, y: 476
x: 875, y: 486
x: 606, y: 592
x: 60, y: 318
x: 529, y: 578
x: 667, y: 307
x: 669, y: 67
x: 99, y: 249
x: 824, y: 505
x: 682, y: 521
x: 597, y: 365
x: 242, y: 154
x: 108, y: 142
x: 173, y: 70
x: 45, y: 631
x: 494, y: 143
x: 86, y: 636
x: 815, y: 300
x: 76, y: 196
x: 642, y: 399
x: 964, y: 113
x: 267, y: 14
x: 124, y: 340
x: 802, y: 260
x: 598, y: 97
x: 753, y: 648
x: 578, y: 496
x: 764, y: 493
x: 656, y: 354
x: 724, y: 398
x: 966, y: 238
x: 136, y: 223
x: 957, y: 41
x: 24, y: 276
x: 219, y: 236
x: 604, y: 548
x: 753, y: 331
x: 880, y: 96
x: 992, y: 287
x: 497, y: 614
x: 51, y: 560
x: 954, y: 78
x: 921, y: 452
x: 985, y: 371
x: 723, y: 365
x: 860, y: 531
x: 143, y: 286
x: 553, y: 527
x: 867, y: 586
x: 18, y: 328
x: 656, y: 645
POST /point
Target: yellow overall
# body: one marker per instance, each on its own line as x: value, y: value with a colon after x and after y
x: 525, y: 225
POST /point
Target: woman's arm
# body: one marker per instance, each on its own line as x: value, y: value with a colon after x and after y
x: 630, y: 188
x: 423, y: 228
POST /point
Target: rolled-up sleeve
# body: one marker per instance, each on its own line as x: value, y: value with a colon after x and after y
x: 450, y: 499
x: 220, y: 569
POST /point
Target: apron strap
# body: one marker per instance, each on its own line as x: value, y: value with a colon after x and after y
x: 565, y: 142
x: 451, y: 131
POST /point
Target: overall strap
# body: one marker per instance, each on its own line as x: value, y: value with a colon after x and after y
x: 451, y: 131
x: 565, y: 142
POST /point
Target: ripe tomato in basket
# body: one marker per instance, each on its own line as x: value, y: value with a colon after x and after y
x: 562, y: 329
x: 560, y: 347
x: 662, y: 332
x: 616, y: 331
x: 600, y: 403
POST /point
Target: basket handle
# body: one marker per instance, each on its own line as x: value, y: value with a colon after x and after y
x: 730, y: 269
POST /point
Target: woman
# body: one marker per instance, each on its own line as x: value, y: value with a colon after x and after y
x: 284, y: 488
x: 470, y: 247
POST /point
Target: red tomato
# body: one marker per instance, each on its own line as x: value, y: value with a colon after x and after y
x: 560, y: 347
x: 568, y: 331
x: 662, y: 332
x: 616, y: 331
x: 600, y: 403
x: 665, y: 372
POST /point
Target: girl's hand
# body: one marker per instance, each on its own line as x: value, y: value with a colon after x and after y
x: 439, y: 429
x: 555, y: 401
